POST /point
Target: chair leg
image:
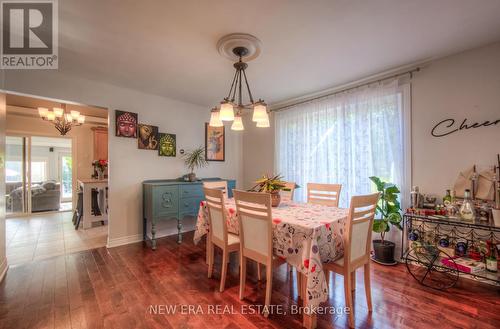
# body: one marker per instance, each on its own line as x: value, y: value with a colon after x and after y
x: 243, y: 274
x: 225, y: 255
x: 208, y: 249
x: 368, y: 290
x: 348, y: 298
x: 299, y: 284
x: 259, y: 277
x: 210, y: 256
x: 269, y: 288
x: 353, y: 280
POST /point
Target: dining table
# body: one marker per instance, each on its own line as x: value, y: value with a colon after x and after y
x: 305, y: 235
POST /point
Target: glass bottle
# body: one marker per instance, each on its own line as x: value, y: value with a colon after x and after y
x: 447, y: 198
x: 491, y: 260
x: 467, y: 208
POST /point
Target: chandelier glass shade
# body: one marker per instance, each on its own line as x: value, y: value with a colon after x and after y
x: 61, y: 120
x: 233, y: 102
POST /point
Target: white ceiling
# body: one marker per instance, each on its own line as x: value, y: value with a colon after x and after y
x: 169, y: 47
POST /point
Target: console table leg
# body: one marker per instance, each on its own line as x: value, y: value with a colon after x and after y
x: 144, y: 228
x: 153, y: 235
x: 179, y: 228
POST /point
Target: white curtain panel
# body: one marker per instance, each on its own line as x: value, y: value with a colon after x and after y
x: 344, y: 138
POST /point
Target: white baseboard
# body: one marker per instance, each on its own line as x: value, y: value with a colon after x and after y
x: 3, y: 269
x: 124, y: 240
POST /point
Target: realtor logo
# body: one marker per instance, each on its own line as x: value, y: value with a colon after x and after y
x: 29, y: 34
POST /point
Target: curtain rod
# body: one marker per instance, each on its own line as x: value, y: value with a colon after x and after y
x: 410, y: 72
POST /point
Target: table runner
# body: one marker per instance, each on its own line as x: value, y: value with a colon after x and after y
x: 305, y: 235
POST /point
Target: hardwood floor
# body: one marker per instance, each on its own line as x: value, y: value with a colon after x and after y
x: 115, y: 288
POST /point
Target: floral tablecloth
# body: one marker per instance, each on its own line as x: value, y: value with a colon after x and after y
x: 305, y: 235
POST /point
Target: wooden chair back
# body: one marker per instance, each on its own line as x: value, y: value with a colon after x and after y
x: 324, y: 194
x: 216, y: 215
x: 255, y: 219
x: 358, y: 229
x: 219, y: 184
x: 288, y: 195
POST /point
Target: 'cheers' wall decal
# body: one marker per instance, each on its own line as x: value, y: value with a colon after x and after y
x: 448, y: 126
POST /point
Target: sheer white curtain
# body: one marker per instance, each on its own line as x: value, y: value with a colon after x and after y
x: 344, y: 138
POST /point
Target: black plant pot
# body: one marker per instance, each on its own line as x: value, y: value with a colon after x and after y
x: 384, y: 252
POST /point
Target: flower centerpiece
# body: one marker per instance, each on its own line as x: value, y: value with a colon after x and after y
x: 272, y: 185
x: 100, y: 167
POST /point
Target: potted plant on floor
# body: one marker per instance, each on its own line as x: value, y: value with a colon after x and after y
x: 388, y: 213
x: 271, y: 185
x: 194, y: 159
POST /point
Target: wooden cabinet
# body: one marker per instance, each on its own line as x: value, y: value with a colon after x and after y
x: 173, y: 199
x: 100, y: 143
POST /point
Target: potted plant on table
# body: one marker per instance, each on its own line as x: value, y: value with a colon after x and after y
x: 388, y: 211
x: 194, y: 159
x: 271, y: 185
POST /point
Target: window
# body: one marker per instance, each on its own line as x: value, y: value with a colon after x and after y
x: 38, y: 171
x: 345, y: 138
x: 13, y: 171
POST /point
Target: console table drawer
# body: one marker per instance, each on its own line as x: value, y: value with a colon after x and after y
x: 189, y: 205
x: 191, y: 191
x: 165, y: 200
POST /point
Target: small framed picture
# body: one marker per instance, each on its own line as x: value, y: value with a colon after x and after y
x: 214, y: 143
x: 126, y: 124
x: 167, y: 145
x: 148, y: 137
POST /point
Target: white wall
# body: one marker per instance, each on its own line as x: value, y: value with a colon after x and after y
x: 128, y: 165
x: 465, y: 85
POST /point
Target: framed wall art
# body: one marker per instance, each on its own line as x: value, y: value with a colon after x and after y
x: 167, y: 145
x: 148, y: 137
x: 126, y: 124
x: 215, y: 143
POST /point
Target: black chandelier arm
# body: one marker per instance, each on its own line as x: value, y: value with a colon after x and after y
x: 248, y: 87
x: 232, y: 86
x: 240, y: 100
x: 235, y: 85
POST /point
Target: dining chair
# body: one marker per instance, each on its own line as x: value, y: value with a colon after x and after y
x: 357, y: 239
x: 324, y: 194
x: 256, y: 236
x: 219, y: 184
x: 218, y: 235
x: 288, y: 195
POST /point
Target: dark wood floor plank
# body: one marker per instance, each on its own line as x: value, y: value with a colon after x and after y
x: 120, y: 288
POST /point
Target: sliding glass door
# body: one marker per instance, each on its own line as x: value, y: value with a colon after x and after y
x: 39, y: 174
x: 16, y: 178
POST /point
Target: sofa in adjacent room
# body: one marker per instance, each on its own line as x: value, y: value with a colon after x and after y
x: 46, y: 196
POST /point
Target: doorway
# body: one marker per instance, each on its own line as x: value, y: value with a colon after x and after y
x: 46, y: 169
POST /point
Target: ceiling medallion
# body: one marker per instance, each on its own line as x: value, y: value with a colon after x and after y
x: 243, y: 48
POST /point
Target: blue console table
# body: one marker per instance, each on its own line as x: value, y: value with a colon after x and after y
x: 173, y: 199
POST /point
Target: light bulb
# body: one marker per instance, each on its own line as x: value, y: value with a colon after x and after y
x: 58, y: 112
x: 42, y: 111
x: 226, y: 111
x: 215, y: 120
x: 69, y: 117
x: 81, y: 119
x: 237, y: 123
x: 259, y: 112
x: 51, y: 116
x: 75, y: 114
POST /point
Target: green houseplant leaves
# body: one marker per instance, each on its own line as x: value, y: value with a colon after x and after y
x: 388, y: 207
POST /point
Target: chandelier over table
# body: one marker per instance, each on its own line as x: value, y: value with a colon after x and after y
x: 241, y: 46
